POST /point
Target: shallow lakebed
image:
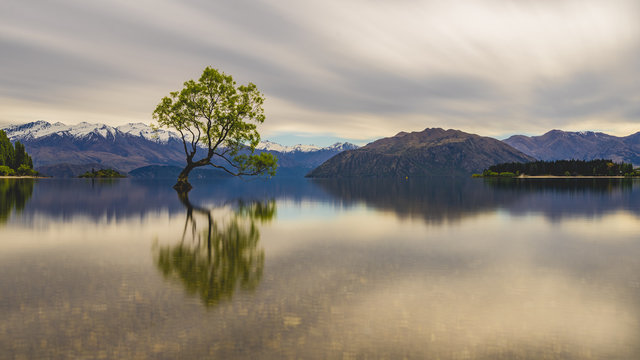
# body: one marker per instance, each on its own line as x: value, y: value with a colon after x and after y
x: 448, y: 268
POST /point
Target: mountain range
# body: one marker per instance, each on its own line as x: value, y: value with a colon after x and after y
x: 61, y: 150
x: 583, y: 145
x: 68, y: 150
x: 421, y: 153
x: 123, y: 148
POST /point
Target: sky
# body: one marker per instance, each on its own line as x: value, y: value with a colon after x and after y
x: 353, y: 70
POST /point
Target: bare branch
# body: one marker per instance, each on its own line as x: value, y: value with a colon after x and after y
x: 226, y: 128
x: 184, y: 142
x: 257, y: 172
x: 199, y: 135
x: 224, y: 168
x: 227, y: 160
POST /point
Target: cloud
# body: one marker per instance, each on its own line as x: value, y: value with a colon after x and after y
x: 355, y: 67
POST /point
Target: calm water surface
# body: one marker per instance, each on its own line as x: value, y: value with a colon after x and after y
x: 444, y: 268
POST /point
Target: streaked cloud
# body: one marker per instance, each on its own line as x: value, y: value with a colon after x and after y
x: 356, y: 69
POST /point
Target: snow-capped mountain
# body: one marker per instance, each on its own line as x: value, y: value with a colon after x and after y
x: 581, y: 145
x: 271, y: 146
x: 136, y: 145
x: 40, y: 129
x: 339, y: 147
x: 123, y: 148
x: 145, y: 131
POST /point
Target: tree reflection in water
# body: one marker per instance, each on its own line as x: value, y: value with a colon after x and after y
x: 213, y: 260
x: 14, y: 194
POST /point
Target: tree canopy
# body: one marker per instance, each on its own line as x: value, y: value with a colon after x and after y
x: 218, y: 119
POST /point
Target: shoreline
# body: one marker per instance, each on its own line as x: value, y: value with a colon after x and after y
x: 24, y: 177
x: 559, y: 177
x: 572, y: 177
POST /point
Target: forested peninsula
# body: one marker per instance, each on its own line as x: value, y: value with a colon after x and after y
x: 600, y: 167
x: 14, y: 159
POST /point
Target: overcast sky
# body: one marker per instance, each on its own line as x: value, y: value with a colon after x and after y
x: 347, y: 69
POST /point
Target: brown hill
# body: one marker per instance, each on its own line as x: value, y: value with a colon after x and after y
x: 425, y: 153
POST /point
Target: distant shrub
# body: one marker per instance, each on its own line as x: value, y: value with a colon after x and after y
x: 488, y: 173
x: 102, y: 173
x: 6, y: 171
x: 25, y: 170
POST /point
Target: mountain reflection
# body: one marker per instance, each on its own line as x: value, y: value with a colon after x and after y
x: 558, y: 198
x: 566, y: 185
x: 124, y: 199
x: 14, y: 194
x: 218, y: 251
x: 441, y: 199
x: 433, y: 199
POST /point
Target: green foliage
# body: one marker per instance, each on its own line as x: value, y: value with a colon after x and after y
x: 251, y: 163
x: 216, y: 114
x: 599, y: 167
x: 14, y: 157
x: 102, y: 173
x: 6, y: 171
x: 7, y: 152
x: 488, y: 173
x: 26, y: 170
x: 21, y: 157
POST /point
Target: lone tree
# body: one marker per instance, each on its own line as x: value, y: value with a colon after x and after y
x: 216, y: 117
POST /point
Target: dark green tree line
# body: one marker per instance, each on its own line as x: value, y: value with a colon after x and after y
x: 599, y: 167
x: 14, y: 159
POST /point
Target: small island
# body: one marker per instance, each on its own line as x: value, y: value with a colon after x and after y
x: 561, y: 168
x: 102, y: 174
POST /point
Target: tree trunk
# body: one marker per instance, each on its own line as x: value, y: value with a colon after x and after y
x: 183, y: 186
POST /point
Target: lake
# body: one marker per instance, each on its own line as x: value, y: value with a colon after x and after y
x: 442, y: 268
